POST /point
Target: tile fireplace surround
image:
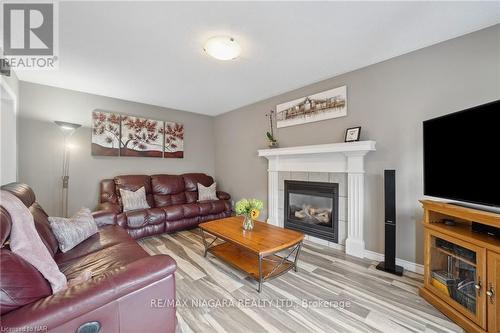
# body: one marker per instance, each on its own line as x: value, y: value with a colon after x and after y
x: 309, y: 163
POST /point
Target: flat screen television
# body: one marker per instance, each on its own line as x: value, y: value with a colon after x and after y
x: 462, y: 155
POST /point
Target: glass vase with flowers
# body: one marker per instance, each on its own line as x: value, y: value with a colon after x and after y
x: 250, y: 210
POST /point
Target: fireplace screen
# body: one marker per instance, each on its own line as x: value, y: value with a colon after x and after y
x: 312, y: 207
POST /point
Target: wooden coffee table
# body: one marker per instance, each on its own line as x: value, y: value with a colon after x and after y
x: 254, y: 252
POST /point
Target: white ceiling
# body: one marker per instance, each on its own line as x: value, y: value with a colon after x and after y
x: 151, y: 52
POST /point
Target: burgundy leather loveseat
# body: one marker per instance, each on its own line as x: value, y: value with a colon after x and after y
x: 173, y: 200
x: 122, y: 296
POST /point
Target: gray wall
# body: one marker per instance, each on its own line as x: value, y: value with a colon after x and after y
x: 40, y: 144
x: 389, y: 100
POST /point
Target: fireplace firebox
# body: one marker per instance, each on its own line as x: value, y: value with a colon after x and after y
x: 312, y: 208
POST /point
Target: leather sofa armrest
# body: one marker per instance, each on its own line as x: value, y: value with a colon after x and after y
x: 223, y: 195
x: 110, y: 207
x: 104, y: 217
x: 80, y: 299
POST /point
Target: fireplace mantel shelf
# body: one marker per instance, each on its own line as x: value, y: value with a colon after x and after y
x: 344, y: 147
x: 331, y: 157
x: 346, y: 157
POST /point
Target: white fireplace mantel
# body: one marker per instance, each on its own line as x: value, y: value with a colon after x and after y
x: 345, y: 157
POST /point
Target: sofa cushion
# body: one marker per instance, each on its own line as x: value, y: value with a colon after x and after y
x: 172, y: 226
x: 215, y: 216
x: 218, y: 206
x: 148, y: 230
x: 191, y: 197
x: 141, y: 218
x: 20, y: 282
x: 168, y: 190
x: 133, y: 183
x: 105, y: 260
x: 167, y: 184
x: 169, y: 199
x: 211, y: 207
x: 173, y: 213
x: 43, y: 228
x: 106, y: 237
x: 72, y: 231
x: 205, y: 207
x: 191, y: 210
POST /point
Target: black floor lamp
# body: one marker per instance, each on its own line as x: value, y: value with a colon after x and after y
x: 68, y: 129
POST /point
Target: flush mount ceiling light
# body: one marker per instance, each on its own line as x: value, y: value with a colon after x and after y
x: 222, y: 47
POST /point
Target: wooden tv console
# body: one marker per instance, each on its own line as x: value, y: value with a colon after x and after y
x: 462, y: 267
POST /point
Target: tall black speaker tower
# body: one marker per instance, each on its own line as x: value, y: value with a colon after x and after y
x: 389, y: 265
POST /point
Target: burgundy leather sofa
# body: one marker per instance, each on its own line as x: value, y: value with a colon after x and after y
x: 129, y: 291
x: 173, y: 200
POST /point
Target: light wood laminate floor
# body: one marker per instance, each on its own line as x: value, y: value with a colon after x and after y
x: 331, y: 292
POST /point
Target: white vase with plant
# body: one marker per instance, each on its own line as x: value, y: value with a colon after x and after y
x: 272, y: 142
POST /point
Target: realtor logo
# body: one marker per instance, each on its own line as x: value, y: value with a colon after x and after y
x: 29, y: 37
x: 28, y: 28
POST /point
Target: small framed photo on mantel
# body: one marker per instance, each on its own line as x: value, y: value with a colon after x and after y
x: 352, y: 134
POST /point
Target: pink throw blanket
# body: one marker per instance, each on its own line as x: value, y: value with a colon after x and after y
x: 26, y: 243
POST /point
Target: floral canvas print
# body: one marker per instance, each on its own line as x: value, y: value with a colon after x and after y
x: 105, y: 133
x: 141, y: 137
x: 174, y: 140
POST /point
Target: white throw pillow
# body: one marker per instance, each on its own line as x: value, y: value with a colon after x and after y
x: 207, y: 193
x: 134, y: 200
x: 71, y: 232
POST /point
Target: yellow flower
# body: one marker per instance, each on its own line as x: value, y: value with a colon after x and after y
x: 254, y: 213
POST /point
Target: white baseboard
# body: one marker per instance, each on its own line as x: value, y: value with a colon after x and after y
x: 408, y: 265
